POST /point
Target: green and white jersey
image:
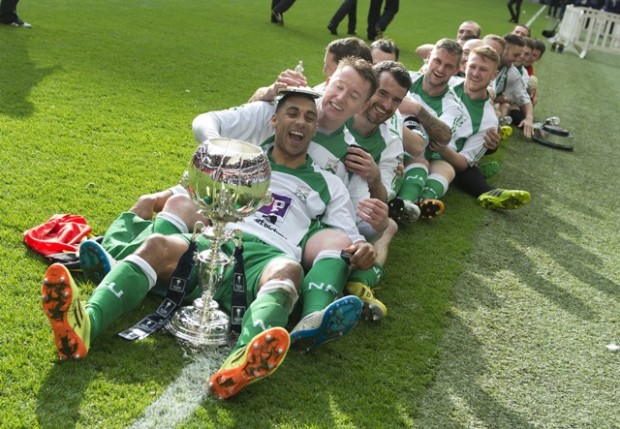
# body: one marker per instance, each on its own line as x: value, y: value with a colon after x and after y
x: 249, y: 122
x: 446, y: 106
x: 328, y: 152
x: 479, y: 116
x: 525, y: 76
x: 301, y: 197
x: 509, y: 82
x: 385, y: 145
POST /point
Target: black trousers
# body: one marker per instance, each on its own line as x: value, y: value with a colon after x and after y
x: 472, y: 181
x: 8, y: 11
x: 348, y: 7
x: 515, y: 12
x: 281, y: 6
x: 378, y: 20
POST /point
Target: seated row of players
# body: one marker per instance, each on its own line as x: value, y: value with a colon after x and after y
x: 356, y: 138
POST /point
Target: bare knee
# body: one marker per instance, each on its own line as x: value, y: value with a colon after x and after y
x: 162, y: 253
x: 149, y: 204
x: 326, y: 239
x: 184, y: 207
x: 283, y: 268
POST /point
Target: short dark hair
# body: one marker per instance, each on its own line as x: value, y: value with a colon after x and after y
x: 386, y: 45
x: 513, y: 39
x: 398, y: 71
x: 280, y: 102
x: 450, y: 46
x: 540, y: 45
x: 349, y: 47
x: 529, y: 42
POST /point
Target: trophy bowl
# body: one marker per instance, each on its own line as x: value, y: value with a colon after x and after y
x: 228, y: 179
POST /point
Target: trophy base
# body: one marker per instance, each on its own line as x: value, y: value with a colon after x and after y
x: 200, y: 326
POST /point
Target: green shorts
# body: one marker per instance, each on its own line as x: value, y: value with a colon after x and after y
x: 129, y: 231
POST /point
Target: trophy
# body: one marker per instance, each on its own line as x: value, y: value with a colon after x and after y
x: 228, y: 180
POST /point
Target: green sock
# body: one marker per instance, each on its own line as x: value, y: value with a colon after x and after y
x: 413, y: 182
x: 436, y: 187
x: 122, y: 290
x: 324, y: 282
x: 267, y: 311
x: 370, y: 277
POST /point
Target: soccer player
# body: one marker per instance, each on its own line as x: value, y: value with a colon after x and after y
x: 379, y: 131
x: 467, y: 145
x: 272, y: 259
x: 509, y: 82
x: 423, y: 185
x: 346, y: 94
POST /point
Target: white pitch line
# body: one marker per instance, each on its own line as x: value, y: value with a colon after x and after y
x: 184, y: 395
x: 536, y: 15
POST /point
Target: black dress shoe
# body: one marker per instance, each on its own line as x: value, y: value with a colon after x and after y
x: 332, y: 30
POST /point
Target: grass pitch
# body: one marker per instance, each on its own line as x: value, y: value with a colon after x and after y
x: 497, y: 320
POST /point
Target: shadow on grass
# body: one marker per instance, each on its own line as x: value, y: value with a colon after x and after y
x: 460, y: 397
x: 70, y: 395
x: 18, y: 74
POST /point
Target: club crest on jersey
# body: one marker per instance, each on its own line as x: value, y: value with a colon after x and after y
x: 278, y: 207
x: 303, y: 192
x: 332, y: 165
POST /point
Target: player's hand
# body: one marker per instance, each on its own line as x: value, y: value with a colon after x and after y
x: 400, y: 169
x: 374, y: 212
x: 528, y: 127
x: 290, y: 78
x: 359, y: 161
x: 436, y: 147
x: 491, y: 139
x: 363, y: 255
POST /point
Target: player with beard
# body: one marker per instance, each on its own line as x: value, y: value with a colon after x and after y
x: 423, y: 185
x: 509, y: 87
x: 379, y: 132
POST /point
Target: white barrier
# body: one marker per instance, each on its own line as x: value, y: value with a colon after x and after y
x: 584, y: 29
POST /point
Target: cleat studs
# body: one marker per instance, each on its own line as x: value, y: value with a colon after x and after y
x: 210, y: 385
x: 65, y: 293
x: 271, y: 366
x: 268, y: 338
x: 280, y: 351
x: 77, y: 356
x: 255, y: 346
x: 44, y: 298
x: 46, y: 281
x: 61, y: 280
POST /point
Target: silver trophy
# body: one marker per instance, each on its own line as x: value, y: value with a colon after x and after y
x: 228, y: 180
